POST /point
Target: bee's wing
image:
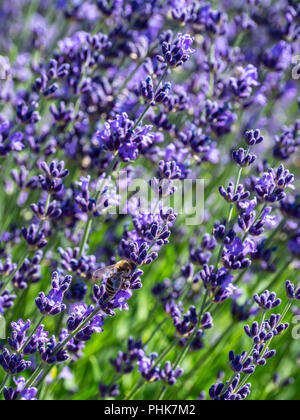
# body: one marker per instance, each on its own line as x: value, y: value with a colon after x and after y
x: 106, y: 271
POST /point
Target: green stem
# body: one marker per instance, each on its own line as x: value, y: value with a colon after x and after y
x: 35, y: 375
x: 86, y: 235
x: 274, y: 233
x: 135, y: 390
x: 229, y: 218
x: 158, y: 327
x: 4, y: 383
x: 162, y: 393
x: 89, y: 223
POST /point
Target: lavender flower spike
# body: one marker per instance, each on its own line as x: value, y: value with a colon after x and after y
x: 53, y: 303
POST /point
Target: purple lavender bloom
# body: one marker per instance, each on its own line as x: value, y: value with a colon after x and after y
x: 79, y: 313
x: 234, y: 257
x: 120, y: 299
x: 292, y: 291
x: 242, y: 158
x: 287, y: 144
x: 267, y: 300
x: 219, y: 283
x: 109, y: 390
x: 18, y: 337
x: 124, y: 362
x: 6, y: 300
x: 177, y: 53
x: 53, y: 212
x: 279, y: 58
x: 118, y: 136
x: 53, y: 303
x: 147, y: 369
x: 254, y: 137
x: 217, y: 391
x: 16, y: 142
x: 27, y: 394
x: 54, y: 173
x: 168, y: 374
x: 270, y: 188
x: 34, y: 238
x: 13, y: 363
x: 47, y: 350
x: 243, y: 84
x: 232, y: 195
x: 241, y: 363
x: 7, y: 267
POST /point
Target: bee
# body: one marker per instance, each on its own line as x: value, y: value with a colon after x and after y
x: 118, y: 276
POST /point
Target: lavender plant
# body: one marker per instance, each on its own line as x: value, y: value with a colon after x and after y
x: 108, y: 110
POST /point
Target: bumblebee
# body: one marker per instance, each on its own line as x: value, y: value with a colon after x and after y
x: 117, y: 276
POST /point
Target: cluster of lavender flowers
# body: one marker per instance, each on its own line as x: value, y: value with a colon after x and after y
x: 95, y: 90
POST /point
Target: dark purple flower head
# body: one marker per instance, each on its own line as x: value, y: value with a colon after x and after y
x: 241, y: 364
x: 219, y: 283
x: 29, y: 272
x: 111, y: 391
x: 161, y: 96
x: 177, y: 53
x: 254, y: 137
x: 147, y: 369
x: 120, y: 300
x: 7, y: 267
x: 292, y: 291
x: 287, y: 144
x: 270, y: 188
x: 34, y: 238
x: 54, y: 173
x: 13, y: 363
x: 53, y: 303
x: 246, y: 79
x: 125, y: 362
x: 53, y: 211
x: 169, y: 375
x: 18, y: 336
x: 234, y: 392
x: 119, y: 136
x: 267, y: 300
x: 28, y: 114
x: 49, y: 354
x: 27, y: 394
x: 6, y: 301
x: 80, y: 312
x: 279, y: 57
x: 235, y: 254
x: 233, y: 195
x: 242, y: 158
